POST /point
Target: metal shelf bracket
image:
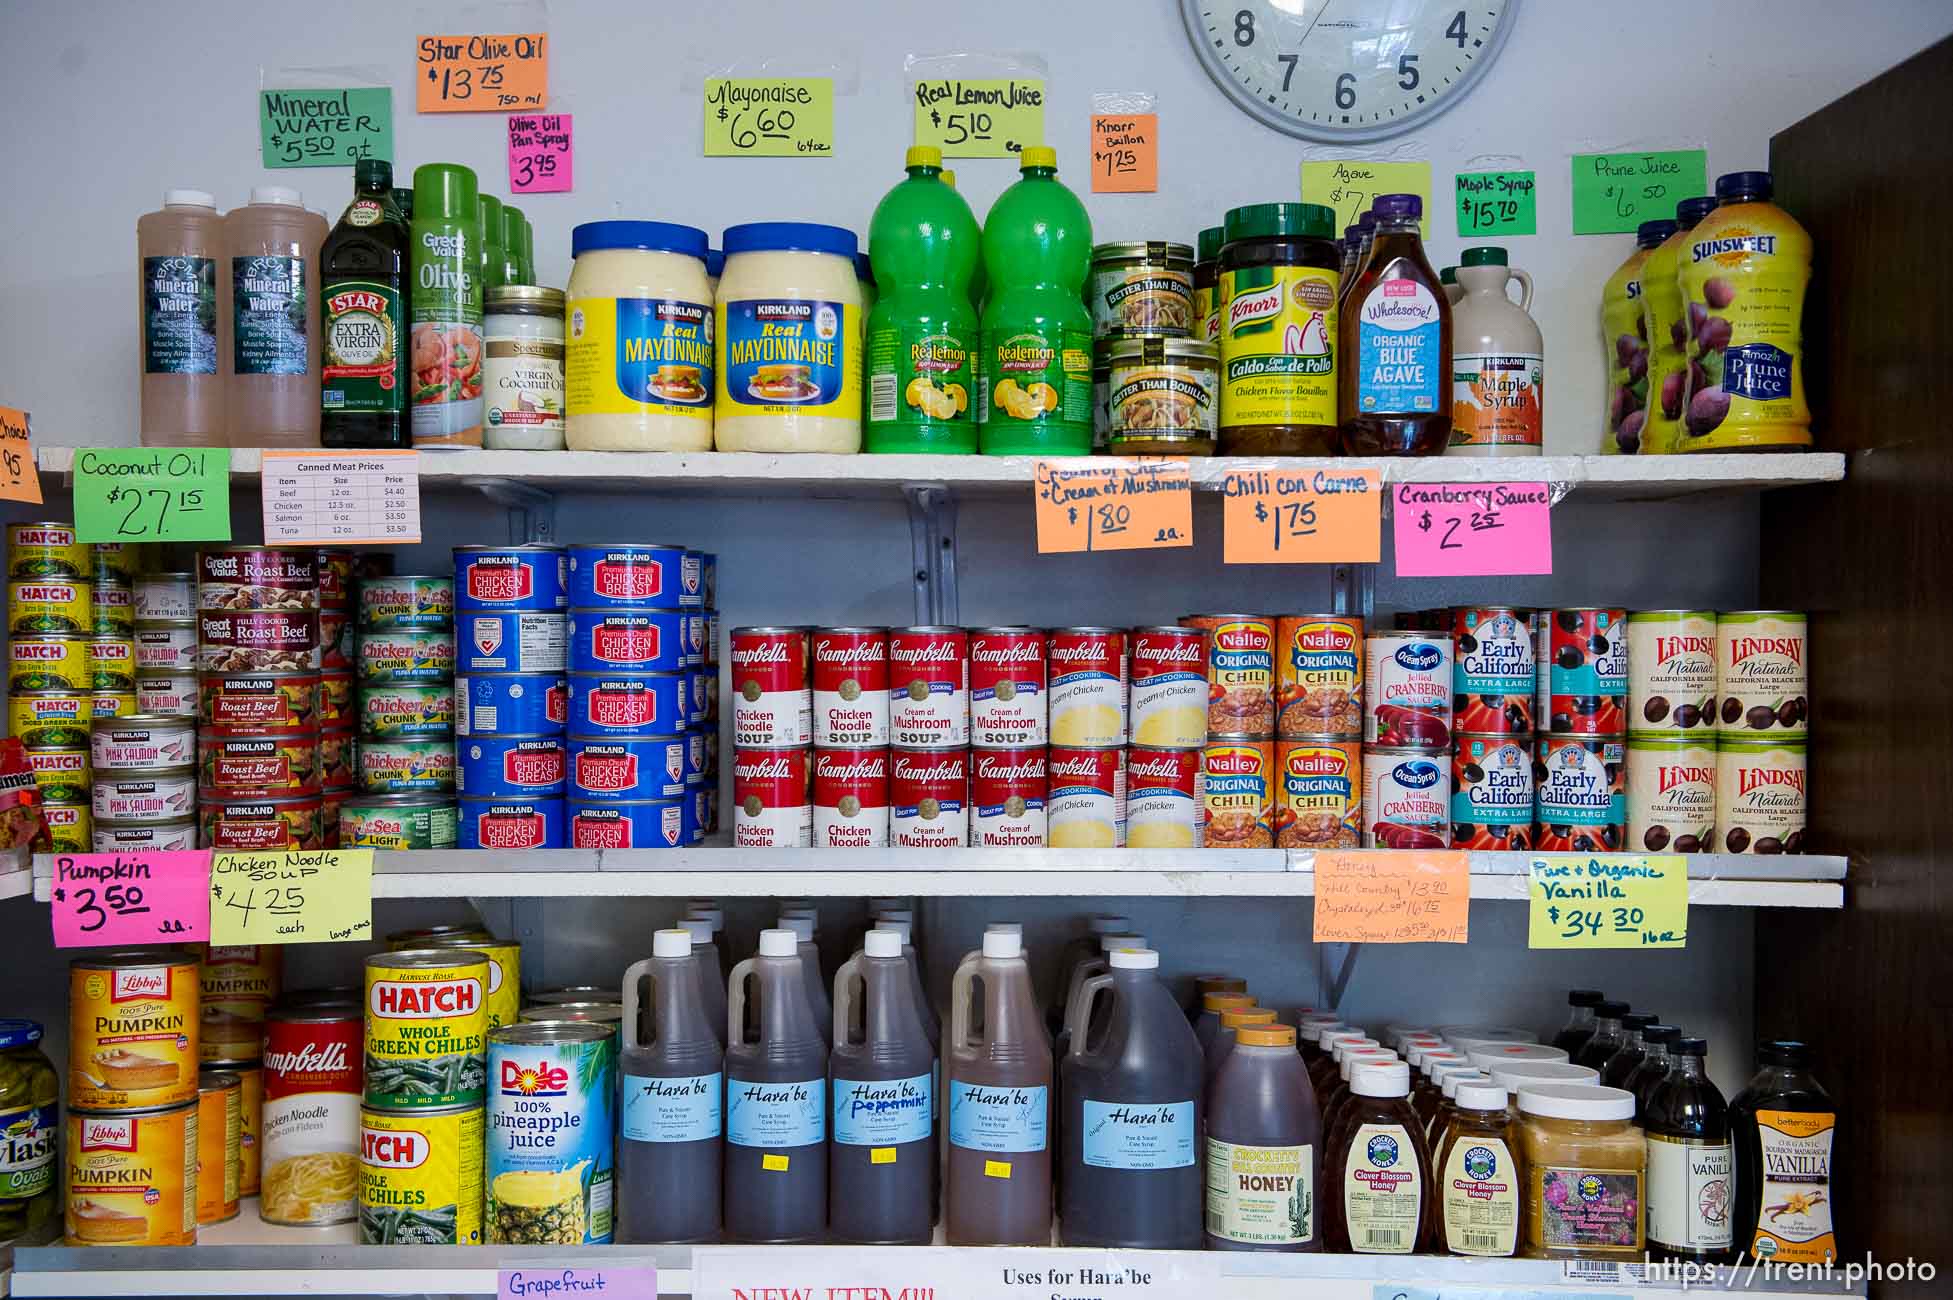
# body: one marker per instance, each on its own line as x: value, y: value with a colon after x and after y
x: 932, y: 535
x: 531, y: 510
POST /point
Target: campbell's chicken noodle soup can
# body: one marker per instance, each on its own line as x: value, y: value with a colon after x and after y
x: 1763, y: 680
x: 772, y: 689
x: 929, y: 687
x: 1318, y: 675
x: 1090, y: 676
x: 772, y: 804
x: 1406, y: 798
x: 1085, y: 803
x: 1240, y: 673
x: 1671, y: 793
x: 1492, y: 793
x: 1319, y: 793
x: 1407, y: 690
x: 133, y: 1029
x: 850, y: 672
x: 1672, y: 671
x: 1494, y: 673
x: 1760, y: 794
x: 1169, y: 687
x: 1166, y: 807
x: 1239, y: 780
x: 1580, y: 794
x: 490, y: 578
x: 1008, y: 692
x: 929, y: 798
x: 309, y: 1138
x: 132, y: 1177
x: 1008, y: 790
x: 1583, y: 672
x: 851, y: 798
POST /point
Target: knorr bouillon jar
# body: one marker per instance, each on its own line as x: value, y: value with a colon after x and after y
x: 1743, y: 272
x: 1279, y: 276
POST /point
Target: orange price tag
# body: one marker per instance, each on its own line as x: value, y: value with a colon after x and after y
x: 1298, y: 515
x: 1392, y: 896
x: 1125, y: 153
x: 491, y: 73
x: 1105, y: 503
x: 20, y: 478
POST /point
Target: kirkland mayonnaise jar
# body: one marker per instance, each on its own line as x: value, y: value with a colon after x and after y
x: 789, y: 326
x: 638, y: 359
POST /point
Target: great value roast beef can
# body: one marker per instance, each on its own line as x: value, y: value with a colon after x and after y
x: 644, y: 767
x: 1493, y: 674
x: 772, y: 804
x: 525, y: 823
x: 257, y: 577
x: 258, y: 640
x: 1166, y: 805
x: 631, y: 823
x: 772, y: 688
x: 1085, y: 799
x: 510, y: 577
x: 1580, y: 794
x: 851, y: 798
x: 1492, y: 793
x: 643, y: 640
x: 521, y: 704
x: 1672, y: 671
x: 1090, y: 679
x: 512, y: 641
x: 929, y: 687
x: 1407, y: 685
x: 629, y: 704
x: 1008, y: 789
x: 1406, y: 798
x: 647, y: 575
x: 509, y: 767
x: 1583, y: 671
x: 1007, y: 687
x: 929, y: 798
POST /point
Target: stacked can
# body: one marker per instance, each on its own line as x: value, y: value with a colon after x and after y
x: 259, y: 773
x: 1671, y: 739
x: 1166, y: 773
x: 1493, y: 677
x: 510, y: 701
x: 851, y: 742
x: 237, y: 985
x: 1581, y: 711
x: 338, y: 652
x: 51, y: 674
x: 1762, y: 728
x: 638, y: 697
x: 1319, y: 709
x: 772, y: 737
x: 1091, y: 695
x: 1407, y: 746
x: 1009, y: 774
x: 1238, y: 760
x: 405, y: 746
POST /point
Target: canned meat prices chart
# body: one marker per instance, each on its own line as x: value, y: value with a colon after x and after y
x: 372, y: 498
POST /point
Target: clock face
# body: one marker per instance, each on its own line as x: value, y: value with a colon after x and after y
x: 1346, y: 70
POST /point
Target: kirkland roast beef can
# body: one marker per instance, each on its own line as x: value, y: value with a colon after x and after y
x: 514, y: 704
x: 631, y: 823
x: 647, y: 767
x: 650, y: 575
x: 511, y: 641
x: 629, y: 703
x: 509, y: 767
x: 522, y: 823
x: 509, y: 577
x: 640, y: 640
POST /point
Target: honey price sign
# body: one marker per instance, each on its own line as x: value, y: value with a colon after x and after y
x: 481, y: 73
x: 1293, y: 515
x: 103, y: 899
x: 291, y: 896
x: 1405, y: 897
x: 1105, y: 503
x: 1608, y: 901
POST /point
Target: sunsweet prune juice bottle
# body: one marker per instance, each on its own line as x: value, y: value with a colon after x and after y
x: 363, y: 269
x: 1665, y: 323
x: 1690, y: 1162
x: 1781, y: 1128
x: 670, y: 1138
x: 1396, y: 343
x: 776, y: 1102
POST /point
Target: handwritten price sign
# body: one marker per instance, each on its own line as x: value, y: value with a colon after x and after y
x: 1497, y: 203
x: 1620, y: 901
x: 1125, y: 153
x: 1615, y: 192
x: 153, y: 494
x: 1350, y: 186
x: 979, y: 119
x: 20, y: 478
x: 563, y: 1283
x: 324, y: 128
x: 769, y: 117
x: 1448, y: 530
x: 540, y: 156
x: 1392, y: 897
x: 101, y: 899
x: 1301, y: 516
x: 303, y: 896
x: 481, y: 74
x: 1102, y: 503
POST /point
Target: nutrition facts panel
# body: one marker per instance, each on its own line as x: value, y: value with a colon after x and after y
x: 364, y: 498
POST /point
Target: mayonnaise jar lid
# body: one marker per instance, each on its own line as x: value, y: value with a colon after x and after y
x: 651, y: 236
x: 788, y: 237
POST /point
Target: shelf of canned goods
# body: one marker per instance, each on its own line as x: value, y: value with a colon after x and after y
x: 1623, y: 478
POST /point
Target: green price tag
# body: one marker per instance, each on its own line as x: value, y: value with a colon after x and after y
x: 1615, y: 192
x: 979, y: 119
x: 769, y: 117
x: 153, y: 494
x: 324, y: 128
x: 1497, y: 203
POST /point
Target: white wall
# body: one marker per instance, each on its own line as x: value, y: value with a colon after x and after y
x: 110, y: 101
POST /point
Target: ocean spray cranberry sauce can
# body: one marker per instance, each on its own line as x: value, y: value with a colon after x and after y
x: 1407, y: 690
x: 1008, y: 692
x: 1090, y: 675
x: 1008, y: 790
x: 929, y: 798
x: 850, y: 671
x: 772, y: 697
x: 1406, y: 798
x: 929, y: 687
x: 851, y: 798
x: 771, y: 804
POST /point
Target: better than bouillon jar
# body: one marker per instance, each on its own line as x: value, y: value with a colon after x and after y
x: 1279, y: 274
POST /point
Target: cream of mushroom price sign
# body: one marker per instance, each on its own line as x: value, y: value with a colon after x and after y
x: 344, y: 498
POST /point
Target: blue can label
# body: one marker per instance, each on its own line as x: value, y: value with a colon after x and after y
x: 691, y: 580
x: 882, y: 1112
x: 512, y: 823
x: 517, y: 577
x: 776, y: 1114
x: 649, y: 576
x: 510, y: 704
x: 996, y: 1117
x: 549, y: 1113
x: 610, y: 768
x: 516, y: 641
x: 698, y: 632
x: 630, y: 824
x: 676, y: 1109
x: 705, y: 694
x: 1139, y: 1135
x: 646, y: 640
x: 1582, y: 785
x: 509, y: 766
x: 629, y: 704
x: 696, y: 757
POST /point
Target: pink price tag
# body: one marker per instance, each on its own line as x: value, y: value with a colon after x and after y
x: 1468, y: 530
x: 540, y: 154
x: 102, y: 899
x: 545, y: 1283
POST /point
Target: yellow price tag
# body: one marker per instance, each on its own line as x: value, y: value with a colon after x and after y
x: 298, y: 896
x: 979, y: 119
x: 1350, y: 186
x: 996, y: 1169
x: 1609, y: 901
x: 769, y: 117
x: 776, y: 1163
x: 881, y: 1156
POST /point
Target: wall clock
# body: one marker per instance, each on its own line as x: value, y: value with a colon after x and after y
x: 1346, y: 71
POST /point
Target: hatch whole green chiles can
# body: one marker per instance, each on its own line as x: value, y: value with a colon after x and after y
x: 426, y: 1026
x: 445, y: 306
x: 550, y: 1153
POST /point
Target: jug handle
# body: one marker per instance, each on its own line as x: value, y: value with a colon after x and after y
x: 1525, y: 287
x: 959, y: 1002
x: 736, y: 1003
x: 1078, y: 1017
x: 632, y: 975
x: 846, y: 981
x: 1083, y: 971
